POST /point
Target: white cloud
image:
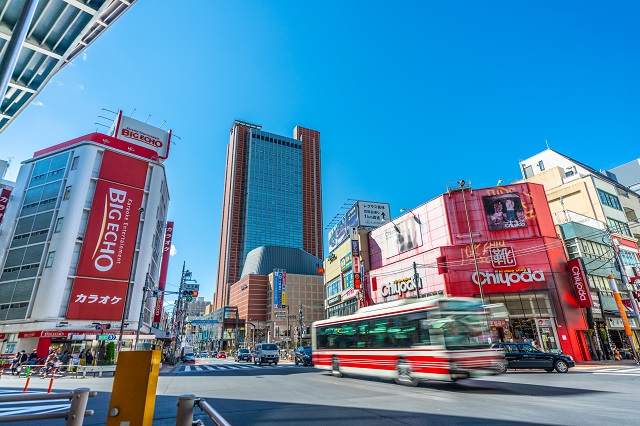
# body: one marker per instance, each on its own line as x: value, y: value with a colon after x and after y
x: 57, y: 82
x: 173, y: 251
x: 37, y: 103
x: 80, y: 87
x: 84, y: 56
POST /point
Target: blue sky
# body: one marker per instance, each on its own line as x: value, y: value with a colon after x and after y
x: 407, y: 95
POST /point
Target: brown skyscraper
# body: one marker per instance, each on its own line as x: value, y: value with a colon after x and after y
x: 272, y: 197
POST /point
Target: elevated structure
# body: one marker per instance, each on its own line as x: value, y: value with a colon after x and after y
x: 38, y: 38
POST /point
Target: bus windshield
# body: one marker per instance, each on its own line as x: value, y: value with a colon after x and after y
x: 464, y: 331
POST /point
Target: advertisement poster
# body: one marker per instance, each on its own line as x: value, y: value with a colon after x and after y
x: 504, y: 211
x: 405, y: 236
x: 352, y: 216
x: 338, y: 234
x: 277, y: 289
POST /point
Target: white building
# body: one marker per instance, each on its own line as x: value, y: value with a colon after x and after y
x: 65, y: 255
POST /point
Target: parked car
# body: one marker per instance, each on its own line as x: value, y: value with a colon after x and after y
x: 303, y: 355
x: 221, y: 354
x: 204, y: 354
x: 189, y: 357
x: 243, y: 355
x: 524, y: 356
x: 266, y: 352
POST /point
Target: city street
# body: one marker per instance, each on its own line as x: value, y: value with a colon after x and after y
x: 273, y: 395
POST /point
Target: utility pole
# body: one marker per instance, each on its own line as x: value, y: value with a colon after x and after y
x: 300, y: 329
x: 141, y: 317
x: 177, y: 309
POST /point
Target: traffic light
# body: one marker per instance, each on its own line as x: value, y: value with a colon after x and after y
x: 189, y: 294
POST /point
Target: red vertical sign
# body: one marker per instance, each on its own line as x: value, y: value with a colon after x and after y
x: 579, y: 280
x: 4, y: 200
x: 109, y: 240
x: 166, y: 251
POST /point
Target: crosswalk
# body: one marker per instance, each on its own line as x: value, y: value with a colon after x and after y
x: 625, y: 371
x: 31, y: 407
x: 225, y: 367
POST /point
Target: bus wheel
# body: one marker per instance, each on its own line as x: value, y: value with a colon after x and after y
x: 404, y: 374
x: 335, y: 367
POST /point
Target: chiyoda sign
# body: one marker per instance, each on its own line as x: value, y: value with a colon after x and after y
x: 399, y: 287
x: 507, y: 277
x: 142, y: 134
x: 579, y: 280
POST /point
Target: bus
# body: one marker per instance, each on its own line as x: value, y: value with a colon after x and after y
x: 408, y: 340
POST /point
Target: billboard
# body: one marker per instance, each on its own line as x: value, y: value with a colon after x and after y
x: 579, y: 281
x: 338, y: 234
x: 373, y: 214
x: 164, y: 266
x: 4, y: 200
x: 102, y: 275
x: 406, y: 235
x: 504, y: 211
x: 279, y: 289
x: 141, y: 134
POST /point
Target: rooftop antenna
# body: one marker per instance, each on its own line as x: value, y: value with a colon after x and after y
x: 108, y: 110
x: 134, y: 110
x: 147, y: 118
x: 546, y: 143
x: 162, y: 124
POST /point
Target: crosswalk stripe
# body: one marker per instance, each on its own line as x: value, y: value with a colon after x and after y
x: 225, y: 367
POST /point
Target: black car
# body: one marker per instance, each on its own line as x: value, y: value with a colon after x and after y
x: 303, y: 356
x: 522, y: 355
x: 243, y: 355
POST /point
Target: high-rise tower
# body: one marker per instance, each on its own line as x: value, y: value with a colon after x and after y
x: 272, y: 197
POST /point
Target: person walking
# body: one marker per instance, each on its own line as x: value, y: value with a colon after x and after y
x: 89, y: 357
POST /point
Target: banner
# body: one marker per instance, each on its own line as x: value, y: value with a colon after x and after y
x: 109, y: 240
x: 4, y: 200
x: 164, y: 266
x: 580, y: 285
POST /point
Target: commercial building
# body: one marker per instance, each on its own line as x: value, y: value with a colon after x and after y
x: 82, y: 235
x: 506, y: 252
x: 39, y: 38
x: 272, y: 197
x: 592, y: 210
x: 197, y: 307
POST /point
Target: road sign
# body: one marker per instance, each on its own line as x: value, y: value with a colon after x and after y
x: 108, y: 337
x: 180, y: 313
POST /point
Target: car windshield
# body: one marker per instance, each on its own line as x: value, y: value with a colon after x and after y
x: 243, y: 351
x: 270, y: 347
x: 189, y: 354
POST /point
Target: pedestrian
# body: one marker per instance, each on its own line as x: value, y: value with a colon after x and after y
x: 15, y: 363
x: 49, y: 363
x: 82, y: 357
x: 33, y: 357
x: 535, y: 344
x: 89, y: 357
x: 616, y: 355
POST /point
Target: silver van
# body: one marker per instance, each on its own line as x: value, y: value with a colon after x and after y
x: 265, y: 352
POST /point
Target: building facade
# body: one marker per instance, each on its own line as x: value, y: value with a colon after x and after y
x: 83, y: 233
x: 592, y: 211
x: 272, y: 197
x: 197, y: 307
x: 516, y: 259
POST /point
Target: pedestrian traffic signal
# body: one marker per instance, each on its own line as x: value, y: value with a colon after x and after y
x: 188, y: 294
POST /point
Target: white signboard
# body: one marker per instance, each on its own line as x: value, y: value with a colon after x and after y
x: 372, y: 214
x: 142, y: 134
x: 353, y: 232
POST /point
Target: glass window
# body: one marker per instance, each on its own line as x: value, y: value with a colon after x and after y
x: 619, y: 227
x: 609, y: 199
x: 528, y: 171
x: 74, y: 163
x: 541, y: 165
x: 67, y: 193
x: 58, y: 224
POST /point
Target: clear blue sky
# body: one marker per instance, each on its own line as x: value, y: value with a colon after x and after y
x: 407, y: 95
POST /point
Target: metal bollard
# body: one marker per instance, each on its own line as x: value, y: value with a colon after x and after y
x: 186, y: 404
x: 78, y: 407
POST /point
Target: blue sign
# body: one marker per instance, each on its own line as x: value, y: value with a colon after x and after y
x: 204, y: 321
x: 277, y: 289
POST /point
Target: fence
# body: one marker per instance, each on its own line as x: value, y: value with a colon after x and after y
x: 75, y: 416
x: 186, y: 407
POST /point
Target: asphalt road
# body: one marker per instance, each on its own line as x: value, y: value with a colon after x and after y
x: 289, y: 394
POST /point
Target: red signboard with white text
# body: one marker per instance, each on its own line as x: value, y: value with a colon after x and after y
x: 111, y: 232
x: 579, y: 281
x: 109, y: 241
x: 4, y: 200
x: 142, y: 134
x: 164, y: 266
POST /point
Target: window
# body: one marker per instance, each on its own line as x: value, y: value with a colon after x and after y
x: 569, y: 173
x: 50, y: 257
x: 619, y: 227
x: 58, y: 225
x: 609, y: 200
x: 74, y: 163
x: 528, y: 171
x: 629, y: 258
x: 67, y: 193
x: 541, y: 165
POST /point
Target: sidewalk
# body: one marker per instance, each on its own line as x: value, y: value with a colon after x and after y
x: 606, y: 364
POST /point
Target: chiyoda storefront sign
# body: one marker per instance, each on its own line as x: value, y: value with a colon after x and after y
x: 507, y: 277
x: 579, y: 280
x: 399, y: 287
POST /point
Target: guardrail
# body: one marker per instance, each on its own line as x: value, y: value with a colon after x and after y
x: 186, y: 407
x: 75, y: 416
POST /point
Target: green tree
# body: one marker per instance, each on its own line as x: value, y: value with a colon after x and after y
x: 110, y: 353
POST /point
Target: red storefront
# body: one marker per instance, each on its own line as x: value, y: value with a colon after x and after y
x: 516, y: 257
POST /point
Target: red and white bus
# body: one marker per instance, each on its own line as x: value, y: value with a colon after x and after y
x: 435, y: 338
